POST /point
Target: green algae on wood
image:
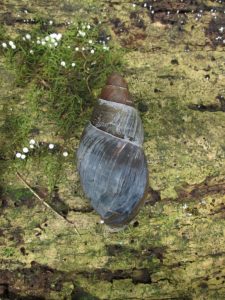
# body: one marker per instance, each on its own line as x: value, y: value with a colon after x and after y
x: 177, y: 71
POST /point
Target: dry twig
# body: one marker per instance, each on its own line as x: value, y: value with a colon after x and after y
x: 45, y: 203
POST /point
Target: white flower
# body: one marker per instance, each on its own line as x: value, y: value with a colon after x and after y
x: 88, y: 26
x: 31, y: 51
x: 81, y: 33
x: 50, y: 22
x: 18, y: 154
x: 11, y: 43
x: 23, y: 156
x: 92, y: 51
x: 25, y: 150
x: 73, y: 64
x: 4, y: 45
x: 51, y: 146
x: 77, y: 49
x: 43, y: 42
x: 28, y: 36
x: 58, y: 36
x: 32, y: 141
x: 63, y: 64
x: 13, y: 46
x: 102, y: 222
x: 47, y: 38
x: 68, y: 47
x: 55, y: 44
x: 90, y: 41
x: 38, y: 42
x: 53, y: 35
x: 31, y: 146
x: 65, y: 153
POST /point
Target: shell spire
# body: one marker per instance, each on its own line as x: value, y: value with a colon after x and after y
x: 116, y: 90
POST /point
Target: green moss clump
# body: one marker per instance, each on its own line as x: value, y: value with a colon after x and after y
x: 60, y: 72
x: 67, y: 69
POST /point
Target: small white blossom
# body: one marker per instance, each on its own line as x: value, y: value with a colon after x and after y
x: 32, y: 141
x: 92, y: 51
x: 53, y: 35
x: 31, y: 51
x: 18, y: 154
x: 77, y: 49
x: 81, y: 33
x: 25, y: 150
x: 58, y: 36
x: 73, y: 64
x: 55, y: 44
x: 43, y: 43
x: 90, y: 41
x: 4, y: 45
x: 50, y: 22
x: 31, y: 146
x: 63, y: 64
x: 23, y: 156
x: 51, y: 146
x: 38, y: 42
x: 47, y: 38
x: 102, y: 222
x: 83, y: 48
x: 11, y: 43
x: 28, y: 36
x: 13, y: 46
x: 65, y: 153
x: 88, y: 26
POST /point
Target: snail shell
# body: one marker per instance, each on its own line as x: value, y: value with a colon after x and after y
x: 111, y: 162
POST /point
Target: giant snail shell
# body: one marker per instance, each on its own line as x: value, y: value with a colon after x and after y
x: 111, y: 162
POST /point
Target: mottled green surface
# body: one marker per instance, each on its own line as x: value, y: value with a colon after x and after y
x: 175, y: 249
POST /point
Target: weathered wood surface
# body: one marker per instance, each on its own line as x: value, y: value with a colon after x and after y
x: 176, y: 247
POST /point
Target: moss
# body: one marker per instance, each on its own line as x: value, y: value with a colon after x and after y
x: 56, y: 97
x: 8, y: 252
x: 65, y: 91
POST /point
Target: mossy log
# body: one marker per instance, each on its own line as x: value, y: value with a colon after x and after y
x: 175, y: 248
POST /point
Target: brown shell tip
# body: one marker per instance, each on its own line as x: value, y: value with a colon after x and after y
x: 116, y: 90
x: 116, y: 79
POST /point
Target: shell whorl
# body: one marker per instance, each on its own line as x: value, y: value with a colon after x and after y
x: 114, y: 113
x: 116, y: 90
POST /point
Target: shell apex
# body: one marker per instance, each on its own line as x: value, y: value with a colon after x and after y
x: 116, y: 90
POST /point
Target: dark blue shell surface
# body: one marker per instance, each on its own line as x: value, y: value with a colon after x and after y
x: 113, y: 174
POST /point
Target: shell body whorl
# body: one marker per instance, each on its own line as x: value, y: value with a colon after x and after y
x: 110, y: 159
